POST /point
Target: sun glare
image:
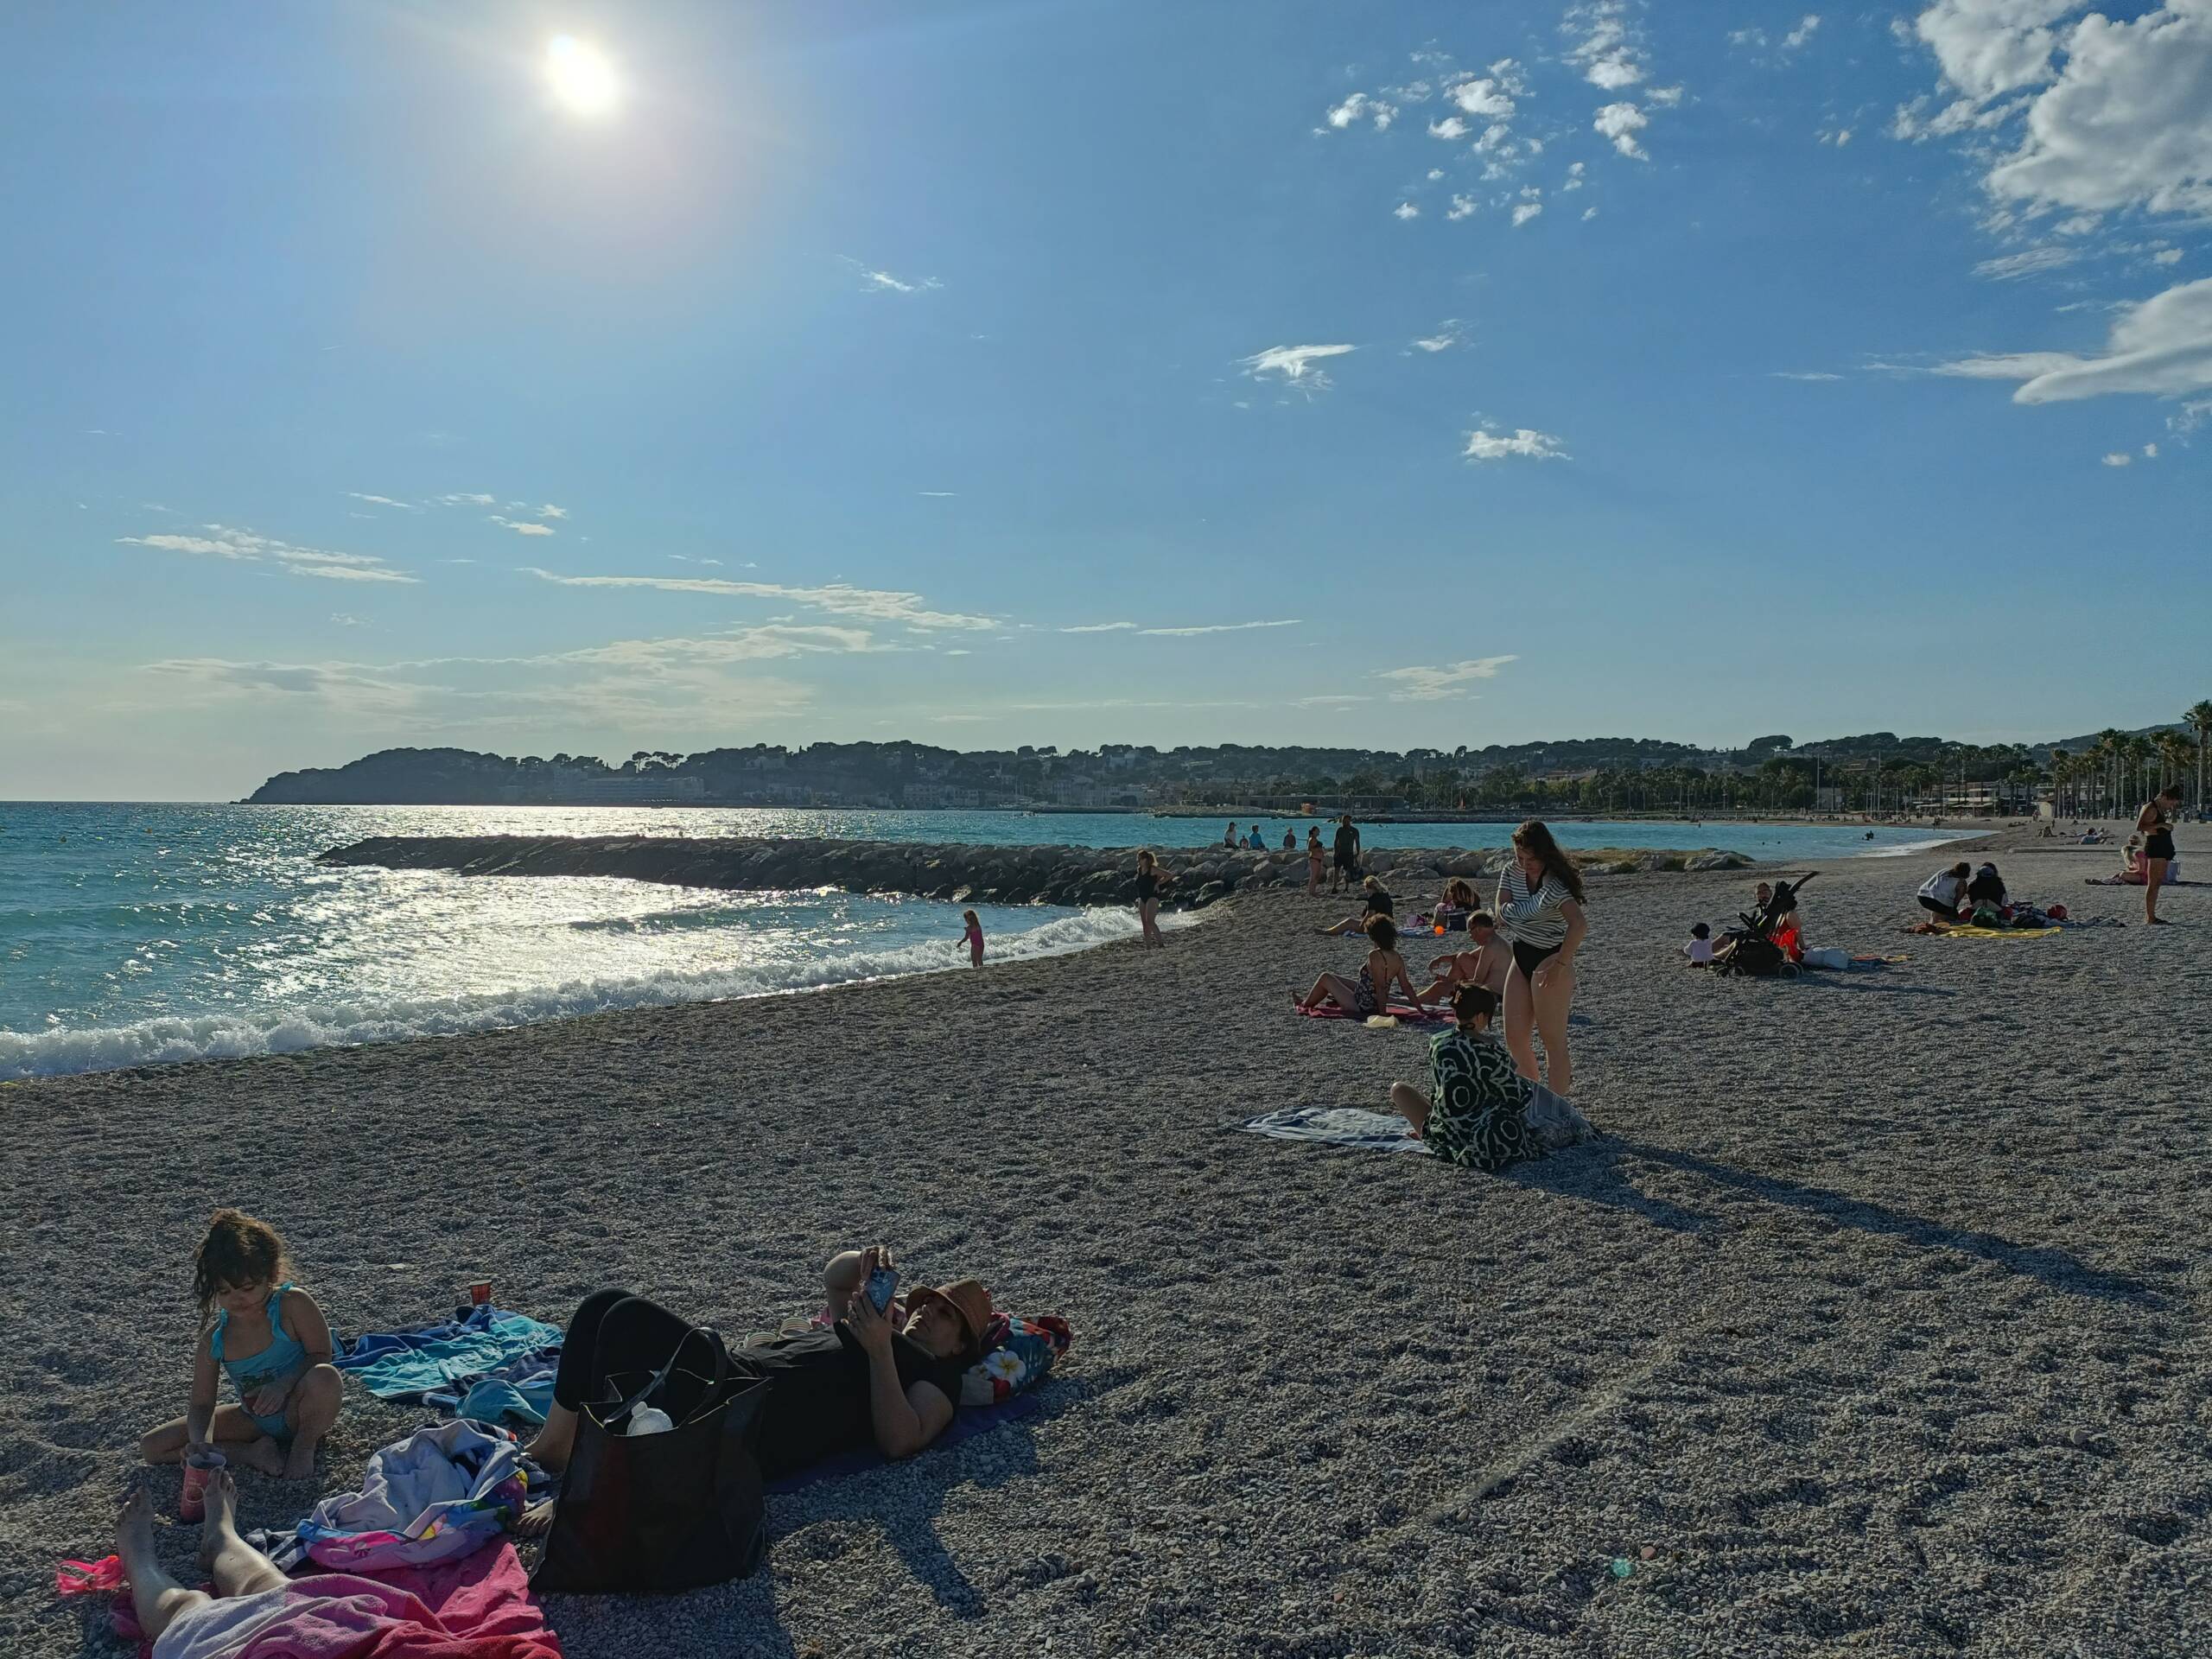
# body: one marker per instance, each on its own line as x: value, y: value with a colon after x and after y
x: 581, y: 75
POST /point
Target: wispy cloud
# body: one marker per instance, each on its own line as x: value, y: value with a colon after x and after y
x: 1462, y: 207
x: 549, y: 510
x: 1805, y: 374
x: 2162, y: 347
x: 938, y: 495
x: 1525, y: 210
x: 384, y: 501
x: 246, y: 547
x: 836, y: 598
x: 1449, y: 332
x: 2120, y: 458
x: 686, y: 558
x: 1217, y: 628
x: 1431, y: 684
x: 1405, y: 210
x: 1804, y: 31
x: 1101, y: 627
x: 875, y: 281
x: 2012, y: 266
x: 1523, y: 443
x: 466, y: 500
x: 523, y: 526
x: 1604, y: 48
x: 1359, y: 107
x: 1293, y: 365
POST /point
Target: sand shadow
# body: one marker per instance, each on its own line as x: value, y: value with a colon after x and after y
x: 2059, y: 1269
x: 985, y: 1461
x: 1593, y: 1172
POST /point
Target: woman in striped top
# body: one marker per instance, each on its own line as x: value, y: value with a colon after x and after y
x: 1539, y: 909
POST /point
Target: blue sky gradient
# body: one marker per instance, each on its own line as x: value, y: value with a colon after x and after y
x: 959, y: 355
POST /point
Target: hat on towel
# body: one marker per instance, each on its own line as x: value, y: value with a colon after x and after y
x: 970, y: 1302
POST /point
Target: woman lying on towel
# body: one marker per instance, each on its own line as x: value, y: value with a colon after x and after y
x: 1479, y: 1111
x: 1370, y: 993
x: 856, y: 1382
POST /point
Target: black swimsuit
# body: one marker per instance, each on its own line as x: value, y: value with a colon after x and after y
x: 2159, y: 842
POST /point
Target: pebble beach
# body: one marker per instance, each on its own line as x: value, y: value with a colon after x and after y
x: 1875, y: 1323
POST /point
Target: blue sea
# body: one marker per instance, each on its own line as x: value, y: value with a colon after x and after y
x: 136, y: 934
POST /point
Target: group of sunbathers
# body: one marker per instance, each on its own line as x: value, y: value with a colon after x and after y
x: 879, y: 1366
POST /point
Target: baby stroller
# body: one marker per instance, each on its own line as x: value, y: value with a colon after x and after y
x: 1752, y: 949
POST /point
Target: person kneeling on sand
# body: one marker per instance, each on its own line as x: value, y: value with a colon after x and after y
x: 1485, y: 962
x: 860, y: 1382
x: 1941, y: 892
x: 1479, y: 1111
x: 1372, y: 994
x: 275, y: 1344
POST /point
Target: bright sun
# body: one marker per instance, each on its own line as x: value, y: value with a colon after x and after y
x: 581, y: 75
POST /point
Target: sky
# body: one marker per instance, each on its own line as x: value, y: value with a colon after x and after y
x: 541, y: 378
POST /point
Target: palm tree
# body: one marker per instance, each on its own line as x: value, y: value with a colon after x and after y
x: 2109, y: 751
x: 2200, y: 721
x: 2173, y: 757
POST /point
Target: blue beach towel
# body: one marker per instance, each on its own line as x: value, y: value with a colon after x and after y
x: 439, y: 1364
x: 1337, y: 1126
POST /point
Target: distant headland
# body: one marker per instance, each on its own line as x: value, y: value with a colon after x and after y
x: 1877, y: 774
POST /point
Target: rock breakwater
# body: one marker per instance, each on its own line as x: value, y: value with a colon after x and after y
x: 956, y: 871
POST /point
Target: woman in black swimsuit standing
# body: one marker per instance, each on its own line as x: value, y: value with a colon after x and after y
x: 1152, y: 882
x: 2155, y: 824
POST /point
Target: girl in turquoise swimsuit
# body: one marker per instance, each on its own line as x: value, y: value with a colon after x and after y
x: 272, y: 1339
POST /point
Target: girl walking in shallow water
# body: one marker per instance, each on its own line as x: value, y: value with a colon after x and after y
x: 973, y: 937
x: 272, y: 1339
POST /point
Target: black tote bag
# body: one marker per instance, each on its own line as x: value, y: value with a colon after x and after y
x: 649, y: 1514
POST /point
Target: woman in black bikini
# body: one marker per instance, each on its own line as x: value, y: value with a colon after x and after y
x: 1540, y: 909
x: 1152, y: 882
x: 2155, y: 824
x: 1370, y: 993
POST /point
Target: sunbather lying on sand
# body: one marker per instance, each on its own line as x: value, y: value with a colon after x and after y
x: 1370, y: 993
x: 858, y: 1383
x: 193, y: 1621
x: 1479, y: 1111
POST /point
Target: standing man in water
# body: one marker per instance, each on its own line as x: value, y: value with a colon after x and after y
x: 1345, y: 871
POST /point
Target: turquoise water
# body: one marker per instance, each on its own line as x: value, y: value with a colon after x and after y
x: 135, y: 934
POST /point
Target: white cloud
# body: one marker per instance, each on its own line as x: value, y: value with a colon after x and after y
x: 1621, y: 123
x: 1589, y: 213
x: 523, y: 526
x: 837, y: 598
x: 352, y: 684
x: 874, y: 281
x: 345, y: 621
x: 2162, y: 347
x: 2118, y: 114
x: 1435, y: 174
x: 1525, y: 210
x: 1432, y: 684
x: 466, y: 500
x: 384, y: 501
x: 1449, y: 332
x: 1489, y: 96
x: 767, y: 642
x: 1604, y: 48
x: 549, y: 510
x: 1805, y: 374
x: 1462, y: 207
x: 1405, y: 210
x: 1525, y: 443
x: 2150, y: 452
x: 1293, y: 365
x: 686, y: 558
x: 1217, y: 627
x: 1101, y: 627
x: 2013, y: 266
x: 246, y: 547
x: 1360, y: 105
x: 2118, y: 459
x: 2166, y: 256
x: 1450, y: 127
x: 1574, y: 176
x: 1662, y: 98
x: 1804, y: 32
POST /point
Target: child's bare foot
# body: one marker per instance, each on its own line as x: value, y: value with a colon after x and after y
x: 264, y: 1455
x: 134, y: 1526
x: 222, y: 1500
x: 299, y: 1461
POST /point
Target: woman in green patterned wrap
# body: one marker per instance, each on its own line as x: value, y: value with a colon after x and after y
x: 1479, y: 1111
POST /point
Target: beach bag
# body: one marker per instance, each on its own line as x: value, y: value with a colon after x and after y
x: 652, y: 1514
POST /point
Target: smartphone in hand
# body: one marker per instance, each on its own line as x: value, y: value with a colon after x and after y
x: 881, y: 1284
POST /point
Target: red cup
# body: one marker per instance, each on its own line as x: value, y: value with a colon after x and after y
x: 480, y: 1293
x: 192, y: 1498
